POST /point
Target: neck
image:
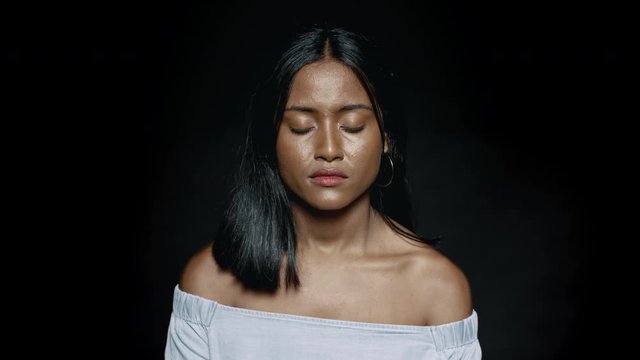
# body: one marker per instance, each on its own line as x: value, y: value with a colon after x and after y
x: 333, y: 232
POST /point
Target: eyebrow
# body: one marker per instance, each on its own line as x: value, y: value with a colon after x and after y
x: 347, y: 107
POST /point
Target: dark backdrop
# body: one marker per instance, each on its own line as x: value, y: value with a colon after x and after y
x: 515, y: 141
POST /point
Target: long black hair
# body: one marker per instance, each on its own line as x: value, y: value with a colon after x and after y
x: 257, y: 228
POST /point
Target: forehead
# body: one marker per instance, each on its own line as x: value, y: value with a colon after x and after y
x: 326, y: 83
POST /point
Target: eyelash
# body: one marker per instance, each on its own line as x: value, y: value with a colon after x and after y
x: 347, y: 129
x: 300, y: 131
x: 353, y: 130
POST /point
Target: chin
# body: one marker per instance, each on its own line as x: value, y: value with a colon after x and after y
x: 328, y: 204
x: 325, y: 207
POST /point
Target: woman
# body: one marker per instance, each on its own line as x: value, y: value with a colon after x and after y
x: 306, y: 264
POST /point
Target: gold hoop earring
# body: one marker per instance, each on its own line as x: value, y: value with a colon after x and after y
x: 392, y: 171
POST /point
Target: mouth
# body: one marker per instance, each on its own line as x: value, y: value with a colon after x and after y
x: 328, y: 177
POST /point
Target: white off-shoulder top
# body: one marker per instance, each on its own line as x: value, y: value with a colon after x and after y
x: 204, y: 329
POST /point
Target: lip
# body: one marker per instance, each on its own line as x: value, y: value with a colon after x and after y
x: 328, y: 177
x: 329, y: 173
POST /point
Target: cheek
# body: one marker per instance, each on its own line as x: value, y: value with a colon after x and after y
x: 290, y: 153
x: 282, y: 154
x: 368, y: 152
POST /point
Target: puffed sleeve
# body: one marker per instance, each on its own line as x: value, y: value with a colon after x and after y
x: 458, y: 340
x: 469, y: 351
x: 186, y: 340
x: 188, y: 334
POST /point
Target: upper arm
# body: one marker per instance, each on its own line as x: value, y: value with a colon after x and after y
x: 203, y: 277
x: 447, y: 291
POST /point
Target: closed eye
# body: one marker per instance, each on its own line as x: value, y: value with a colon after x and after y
x: 353, y: 130
x: 300, y: 131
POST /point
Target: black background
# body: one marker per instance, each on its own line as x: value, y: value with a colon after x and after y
x: 128, y: 116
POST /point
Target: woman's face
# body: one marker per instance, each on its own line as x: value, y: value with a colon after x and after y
x: 328, y: 123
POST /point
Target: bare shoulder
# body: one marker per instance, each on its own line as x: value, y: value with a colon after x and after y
x: 435, y: 284
x: 441, y: 285
x: 203, y: 277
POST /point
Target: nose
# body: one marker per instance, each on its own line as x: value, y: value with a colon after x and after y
x: 328, y: 144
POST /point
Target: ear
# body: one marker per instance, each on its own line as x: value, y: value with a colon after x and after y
x: 386, y: 143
